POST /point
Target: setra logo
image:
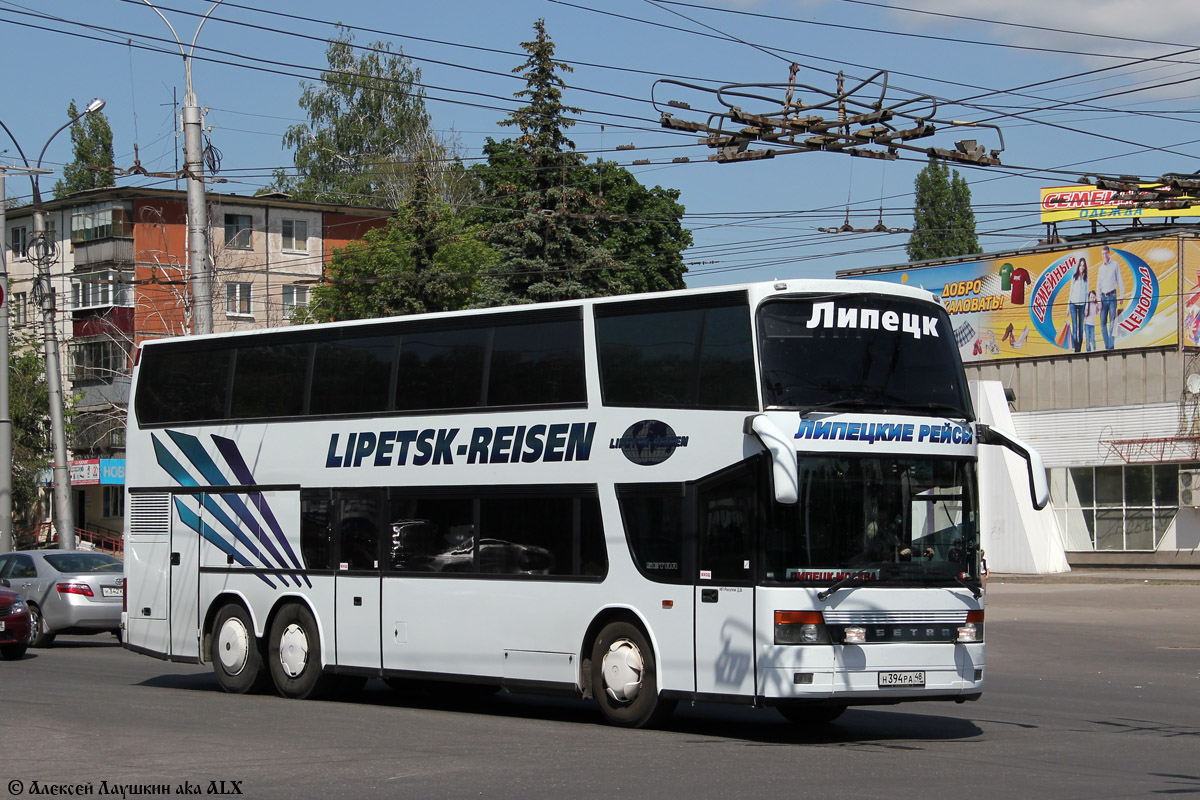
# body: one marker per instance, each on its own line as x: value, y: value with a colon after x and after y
x: 648, y: 442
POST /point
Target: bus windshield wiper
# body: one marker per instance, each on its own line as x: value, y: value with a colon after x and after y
x: 851, y: 578
x: 842, y: 403
x: 897, y: 404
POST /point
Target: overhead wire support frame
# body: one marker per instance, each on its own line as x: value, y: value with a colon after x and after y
x: 861, y: 128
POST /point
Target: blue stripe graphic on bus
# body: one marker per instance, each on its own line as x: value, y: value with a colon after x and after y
x: 233, y: 457
x: 195, y: 453
x: 192, y: 520
x: 200, y: 460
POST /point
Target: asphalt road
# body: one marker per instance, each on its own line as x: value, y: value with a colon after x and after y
x: 1093, y: 692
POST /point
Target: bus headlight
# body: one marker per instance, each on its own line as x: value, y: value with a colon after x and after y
x: 972, y: 630
x: 854, y: 635
x: 800, y: 627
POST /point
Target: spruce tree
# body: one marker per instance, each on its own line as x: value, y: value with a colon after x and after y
x: 546, y: 240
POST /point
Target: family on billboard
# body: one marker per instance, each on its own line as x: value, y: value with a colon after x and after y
x: 1084, y: 300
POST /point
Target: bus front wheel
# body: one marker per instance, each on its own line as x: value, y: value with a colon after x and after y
x: 234, y: 651
x: 624, y: 678
x: 294, y: 653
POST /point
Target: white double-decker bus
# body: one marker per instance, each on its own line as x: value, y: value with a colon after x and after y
x: 761, y: 494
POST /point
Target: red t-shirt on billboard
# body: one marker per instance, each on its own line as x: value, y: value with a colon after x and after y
x: 1020, y: 279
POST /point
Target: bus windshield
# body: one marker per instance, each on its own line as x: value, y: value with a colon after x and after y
x: 863, y: 352
x: 898, y: 520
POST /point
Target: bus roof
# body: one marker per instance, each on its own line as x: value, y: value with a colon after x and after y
x: 757, y: 292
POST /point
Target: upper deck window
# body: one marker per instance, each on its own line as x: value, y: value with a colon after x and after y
x: 860, y: 352
x: 505, y: 360
x: 694, y: 352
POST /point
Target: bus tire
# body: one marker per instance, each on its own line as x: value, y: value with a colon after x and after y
x: 624, y: 678
x: 234, y: 652
x: 811, y: 714
x: 294, y: 653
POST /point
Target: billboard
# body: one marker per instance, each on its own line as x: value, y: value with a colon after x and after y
x: 1053, y: 303
x: 1065, y: 203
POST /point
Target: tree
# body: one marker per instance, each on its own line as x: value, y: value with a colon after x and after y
x: 368, y: 140
x: 91, y: 167
x: 943, y: 222
x: 405, y: 267
x: 28, y: 404
x: 641, y: 229
x: 565, y: 229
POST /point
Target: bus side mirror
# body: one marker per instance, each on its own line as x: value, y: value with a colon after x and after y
x: 785, y: 472
x: 1039, y: 489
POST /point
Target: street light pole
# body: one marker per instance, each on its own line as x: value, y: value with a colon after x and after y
x: 42, y: 251
x: 193, y: 167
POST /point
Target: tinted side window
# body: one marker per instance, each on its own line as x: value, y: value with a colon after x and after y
x: 360, y: 517
x: 182, y: 385
x: 539, y: 363
x: 727, y: 523
x: 700, y: 355
x: 431, y: 534
x: 441, y: 369
x: 522, y: 534
x: 648, y: 359
x: 269, y: 381
x: 352, y: 376
x: 727, y: 360
x: 653, y: 519
x: 22, y: 567
x: 316, y: 540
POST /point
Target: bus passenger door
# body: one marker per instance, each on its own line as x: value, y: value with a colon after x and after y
x: 358, y: 523
x: 726, y: 524
x: 186, y: 519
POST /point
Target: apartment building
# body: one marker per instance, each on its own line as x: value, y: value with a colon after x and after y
x: 120, y: 275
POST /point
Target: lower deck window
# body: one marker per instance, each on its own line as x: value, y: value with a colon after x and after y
x: 555, y: 532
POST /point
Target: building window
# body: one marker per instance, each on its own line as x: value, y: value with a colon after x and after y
x: 295, y: 235
x: 17, y: 310
x: 114, y: 501
x: 101, y: 289
x: 100, y: 221
x: 99, y: 361
x: 237, y: 231
x: 237, y: 299
x: 20, y: 242
x: 294, y: 297
x: 1117, y: 507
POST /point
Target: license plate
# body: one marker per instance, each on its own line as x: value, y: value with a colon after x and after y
x: 889, y: 679
x: 1, y: 624
x: 112, y: 591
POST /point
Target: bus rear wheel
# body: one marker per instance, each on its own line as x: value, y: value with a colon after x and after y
x: 294, y: 653
x: 234, y: 651
x: 624, y: 678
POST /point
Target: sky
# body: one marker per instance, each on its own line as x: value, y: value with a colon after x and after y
x: 1076, y: 88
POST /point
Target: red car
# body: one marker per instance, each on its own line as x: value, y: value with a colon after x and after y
x: 14, y: 625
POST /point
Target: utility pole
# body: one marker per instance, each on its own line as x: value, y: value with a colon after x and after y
x: 193, y: 167
x: 43, y: 251
x: 6, y: 440
x: 6, y: 487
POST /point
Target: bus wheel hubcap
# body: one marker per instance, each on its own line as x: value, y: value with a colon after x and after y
x: 233, y: 646
x: 293, y: 650
x: 622, y: 669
